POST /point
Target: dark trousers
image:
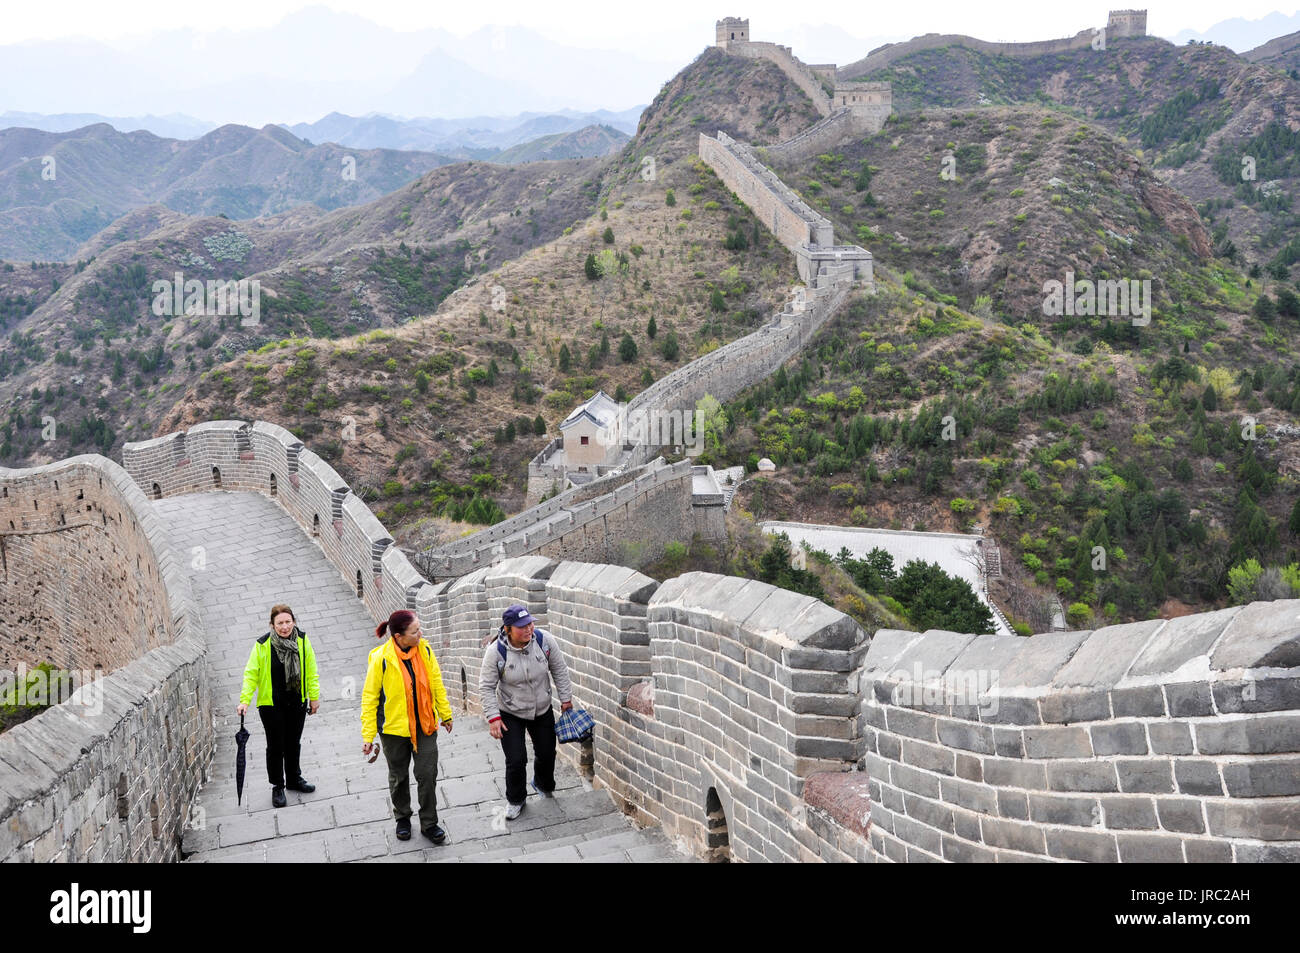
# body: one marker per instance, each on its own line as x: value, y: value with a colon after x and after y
x: 283, y: 724
x: 542, y: 730
x: 399, y: 754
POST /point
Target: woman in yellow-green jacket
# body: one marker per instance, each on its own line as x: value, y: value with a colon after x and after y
x: 281, y: 669
x: 404, y: 701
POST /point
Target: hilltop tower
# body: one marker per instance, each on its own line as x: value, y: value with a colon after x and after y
x: 872, y: 102
x: 732, y: 30
x: 1126, y: 23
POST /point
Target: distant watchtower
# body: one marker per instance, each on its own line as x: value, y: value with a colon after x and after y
x: 732, y: 30
x: 1127, y: 23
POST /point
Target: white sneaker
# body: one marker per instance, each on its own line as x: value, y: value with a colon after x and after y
x: 513, y: 811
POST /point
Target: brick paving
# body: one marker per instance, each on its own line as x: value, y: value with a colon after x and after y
x: 246, y: 554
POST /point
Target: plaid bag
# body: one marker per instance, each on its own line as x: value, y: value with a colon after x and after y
x: 573, y: 725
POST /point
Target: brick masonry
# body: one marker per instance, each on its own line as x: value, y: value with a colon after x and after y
x: 91, y: 582
x: 1151, y: 741
x: 749, y: 720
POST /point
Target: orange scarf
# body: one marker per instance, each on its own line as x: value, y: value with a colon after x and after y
x: 420, y: 700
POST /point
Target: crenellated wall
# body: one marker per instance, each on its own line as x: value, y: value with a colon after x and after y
x: 266, y: 458
x: 788, y: 217
x: 807, y: 233
x: 89, y: 583
x: 728, y: 707
x: 692, y: 695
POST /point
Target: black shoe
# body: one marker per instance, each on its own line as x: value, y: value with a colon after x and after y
x: 404, y: 829
x: 435, y: 833
x: 301, y: 785
x: 277, y: 796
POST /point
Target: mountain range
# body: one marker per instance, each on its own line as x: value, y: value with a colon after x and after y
x: 457, y: 319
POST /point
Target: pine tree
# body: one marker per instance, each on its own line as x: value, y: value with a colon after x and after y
x: 627, y: 349
x: 539, y: 426
x: 651, y: 329
x: 566, y: 359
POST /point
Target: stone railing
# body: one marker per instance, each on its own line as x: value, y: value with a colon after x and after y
x: 91, y: 584
x: 1165, y: 741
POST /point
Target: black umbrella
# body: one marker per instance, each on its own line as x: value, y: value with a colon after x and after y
x: 241, y: 739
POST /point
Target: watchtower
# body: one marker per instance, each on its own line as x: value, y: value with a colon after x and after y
x: 732, y: 30
x: 1126, y: 23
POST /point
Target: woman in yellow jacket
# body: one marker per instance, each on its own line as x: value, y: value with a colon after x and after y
x: 404, y: 690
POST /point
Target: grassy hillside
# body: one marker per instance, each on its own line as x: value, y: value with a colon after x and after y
x: 1192, y: 113
x: 444, y: 408
x: 1028, y: 194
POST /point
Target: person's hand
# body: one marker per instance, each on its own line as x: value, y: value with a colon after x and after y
x: 315, y: 706
x: 243, y: 707
x: 367, y: 747
x: 496, y: 728
x: 447, y: 725
x: 565, y: 706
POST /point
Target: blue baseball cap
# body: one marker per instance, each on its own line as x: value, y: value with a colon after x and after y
x: 516, y: 615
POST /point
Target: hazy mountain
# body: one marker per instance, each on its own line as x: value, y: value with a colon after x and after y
x: 478, y: 135
x: 316, y: 61
x: 1240, y: 34
x: 1282, y: 52
x: 173, y: 126
x: 580, y: 144
x: 58, y: 189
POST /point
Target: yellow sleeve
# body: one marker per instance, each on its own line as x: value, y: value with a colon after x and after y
x: 370, y: 696
x: 440, y: 703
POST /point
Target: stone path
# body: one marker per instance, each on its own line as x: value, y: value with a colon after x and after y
x: 246, y: 555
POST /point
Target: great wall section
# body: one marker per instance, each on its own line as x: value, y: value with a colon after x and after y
x: 1119, y: 24
x: 743, y: 721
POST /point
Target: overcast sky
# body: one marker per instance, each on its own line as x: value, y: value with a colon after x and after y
x: 260, y: 61
x: 652, y: 28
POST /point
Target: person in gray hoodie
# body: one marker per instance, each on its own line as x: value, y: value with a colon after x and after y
x: 515, y: 686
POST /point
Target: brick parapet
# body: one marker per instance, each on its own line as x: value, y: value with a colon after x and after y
x: 110, y: 773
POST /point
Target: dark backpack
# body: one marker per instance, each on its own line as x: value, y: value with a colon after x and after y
x: 501, y: 649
